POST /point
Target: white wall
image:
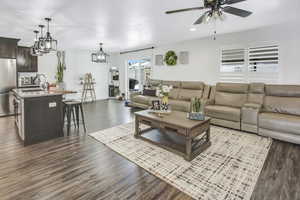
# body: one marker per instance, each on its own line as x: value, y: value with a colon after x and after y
x: 78, y: 63
x: 205, y: 54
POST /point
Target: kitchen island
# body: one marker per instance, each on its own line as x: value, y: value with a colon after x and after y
x: 38, y: 115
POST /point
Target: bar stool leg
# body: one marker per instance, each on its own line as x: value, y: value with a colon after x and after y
x: 77, y: 115
x: 64, y: 114
x: 68, y: 119
x: 73, y: 115
x: 82, y: 116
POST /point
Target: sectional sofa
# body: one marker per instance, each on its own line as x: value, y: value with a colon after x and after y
x: 267, y: 110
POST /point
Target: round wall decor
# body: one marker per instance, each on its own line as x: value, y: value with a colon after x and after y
x: 171, y: 58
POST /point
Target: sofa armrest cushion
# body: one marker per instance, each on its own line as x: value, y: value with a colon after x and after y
x: 250, y: 112
x: 133, y: 94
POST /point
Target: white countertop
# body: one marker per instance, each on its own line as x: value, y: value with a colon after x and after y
x: 33, y: 92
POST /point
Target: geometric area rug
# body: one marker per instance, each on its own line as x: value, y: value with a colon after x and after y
x: 228, y: 169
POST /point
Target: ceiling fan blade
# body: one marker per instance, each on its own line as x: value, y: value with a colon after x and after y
x: 200, y: 20
x: 233, y: 1
x: 184, y: 10
x: 236, y: 11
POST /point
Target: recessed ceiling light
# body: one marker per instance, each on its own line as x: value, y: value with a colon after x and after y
x: 193, y: 29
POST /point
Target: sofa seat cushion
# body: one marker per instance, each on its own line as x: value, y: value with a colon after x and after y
x: 147, y: 100
x: 280, y: 122
x: 223, y: 112
x: 179, y: 105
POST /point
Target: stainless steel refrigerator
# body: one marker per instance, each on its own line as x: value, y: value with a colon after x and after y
x: 7, y: 83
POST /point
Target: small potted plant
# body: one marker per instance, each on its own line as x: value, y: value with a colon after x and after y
x: 196, y: 109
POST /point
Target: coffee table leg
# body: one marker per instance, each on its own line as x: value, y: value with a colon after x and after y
x: 188, y: 146
x: 137, y: 127
x: 208, y: 134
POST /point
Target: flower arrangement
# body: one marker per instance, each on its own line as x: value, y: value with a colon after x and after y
x: 163, y: 90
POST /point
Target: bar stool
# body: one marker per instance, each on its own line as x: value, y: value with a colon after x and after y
x: 71, y: 107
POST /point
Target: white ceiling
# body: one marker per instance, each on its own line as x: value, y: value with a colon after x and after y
x: 129, y: 24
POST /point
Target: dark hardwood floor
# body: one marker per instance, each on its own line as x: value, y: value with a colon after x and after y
x: 78, y: 167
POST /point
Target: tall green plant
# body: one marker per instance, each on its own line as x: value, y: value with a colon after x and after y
x: 196, y: 105
x: 60, y: 67
x: 60, y: 72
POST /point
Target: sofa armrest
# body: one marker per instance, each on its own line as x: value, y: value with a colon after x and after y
x: 249, y: 113
x: 133, y: 94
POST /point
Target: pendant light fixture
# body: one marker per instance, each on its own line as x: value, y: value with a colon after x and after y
x: 50, y: 43
x: 100, y: 56
x: 35, y: 48
x: 41, y: 43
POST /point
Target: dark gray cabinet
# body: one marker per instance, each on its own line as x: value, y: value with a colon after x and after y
x: 25, y: 61
x: 8, y: 47
x: 42, y: 119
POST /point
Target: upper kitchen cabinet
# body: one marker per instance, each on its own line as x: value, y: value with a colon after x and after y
x: 8, y: 47
x: 25, y: 61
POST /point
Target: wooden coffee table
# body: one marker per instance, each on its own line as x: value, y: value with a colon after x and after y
x: 195, y: 134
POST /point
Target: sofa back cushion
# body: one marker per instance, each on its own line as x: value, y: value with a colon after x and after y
x: 284, y: 105
x: 256, y: 93
x: 187, y: 94
x: 191, y: 89
x: 230, y: 99
x: 283, y: 99
x: 231, y: 94
x: 154, y: 83
x: 175, y: 84
x: 283, y: 90
x: 192, y: 85
x: 174, y: 93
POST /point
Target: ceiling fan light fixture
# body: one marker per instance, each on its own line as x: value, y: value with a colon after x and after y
x: 208, y: 17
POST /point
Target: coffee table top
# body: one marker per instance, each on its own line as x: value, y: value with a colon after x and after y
x: 175, y: 117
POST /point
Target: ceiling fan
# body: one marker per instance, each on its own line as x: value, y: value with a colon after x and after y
x: 217, y: 8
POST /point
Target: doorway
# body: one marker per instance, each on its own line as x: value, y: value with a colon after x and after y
x: 138, y: 75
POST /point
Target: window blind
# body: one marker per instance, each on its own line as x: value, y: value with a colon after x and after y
x: 263, y: 64
x: 232, y: 65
